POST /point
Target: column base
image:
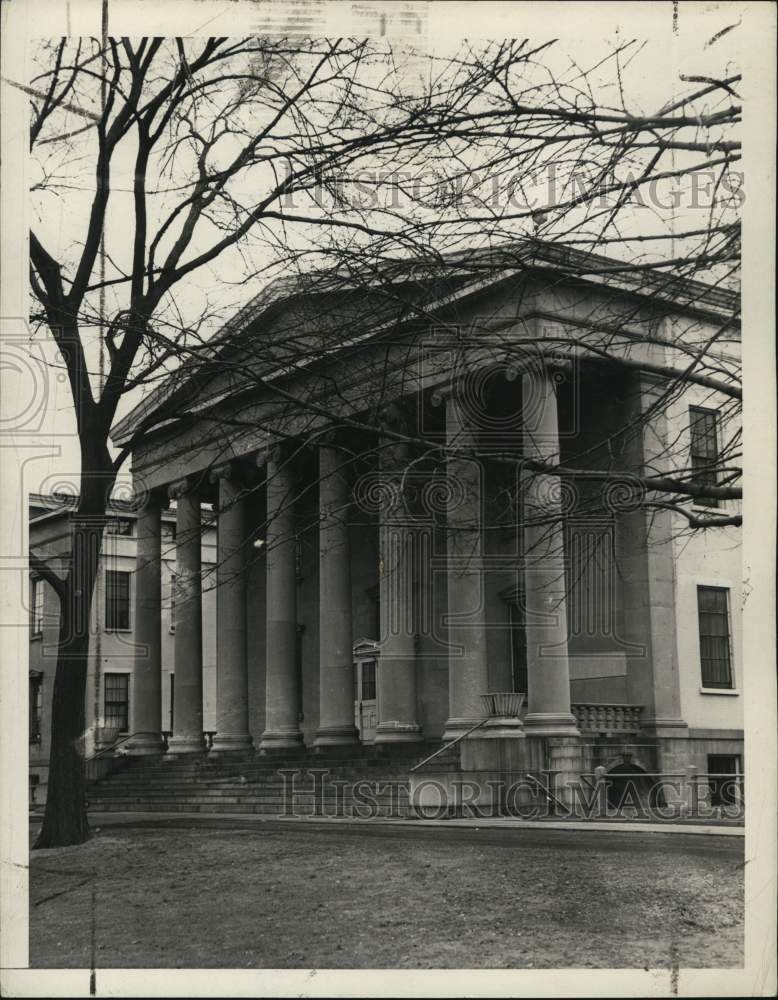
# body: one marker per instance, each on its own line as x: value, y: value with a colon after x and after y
x: 231, y: 743
x: 502, y: 727
x: 550, y: 724
x: 179, y: 746
x: 458, y: 727
x: 281, y: 739
x: 398, y: 732
x: 145, y: 745
x: 334, y: 736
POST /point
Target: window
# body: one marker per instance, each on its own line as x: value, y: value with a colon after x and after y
x: 713, y: 612
x: 119, y: 526
x: 368, y: 680
x: 172, y: 626
x: 117, y: 600
x: 36, y: 606
x: 724, y: 779
x: 36, y: 703
x: 704, y: 452
x: 168, y: 531
x: 117, y: 702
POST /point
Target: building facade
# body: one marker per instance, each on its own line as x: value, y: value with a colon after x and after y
x: 432, y: 524
x: 111, y: 709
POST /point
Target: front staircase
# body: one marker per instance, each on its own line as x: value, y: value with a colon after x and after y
x: 357, y: 782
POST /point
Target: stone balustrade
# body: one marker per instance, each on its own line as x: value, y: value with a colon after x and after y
x: 607, y: 718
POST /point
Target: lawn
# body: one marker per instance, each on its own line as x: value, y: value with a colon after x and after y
x: 289, y: 897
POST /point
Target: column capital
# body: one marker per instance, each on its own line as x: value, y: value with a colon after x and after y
x: 145, y: 498
x: 331, y: 437
x: 225, y: 470
x: 394, y: 412
x: 277, y: 452
x: 181, y: 488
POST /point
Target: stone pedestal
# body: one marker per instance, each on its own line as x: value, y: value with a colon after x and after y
x: 564, y: 761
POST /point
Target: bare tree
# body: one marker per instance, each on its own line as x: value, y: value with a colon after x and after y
x: 369, y: 174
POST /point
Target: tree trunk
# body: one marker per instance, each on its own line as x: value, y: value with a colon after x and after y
x: 65, y: 820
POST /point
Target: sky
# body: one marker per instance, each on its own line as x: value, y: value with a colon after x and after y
x: 671, y: 42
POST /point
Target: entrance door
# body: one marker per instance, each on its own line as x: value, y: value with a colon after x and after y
x: 365, y: 704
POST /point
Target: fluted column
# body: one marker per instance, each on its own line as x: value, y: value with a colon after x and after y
x: 147, y: 671
x: 396, y: 675
x: 232, y: 683
x: 282, y: 689
x: 188, y: 652
x: 467, y: 666
x: 548, y: 668
x: 336, y: 665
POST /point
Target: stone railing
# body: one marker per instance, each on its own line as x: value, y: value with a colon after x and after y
x: 605, y: 718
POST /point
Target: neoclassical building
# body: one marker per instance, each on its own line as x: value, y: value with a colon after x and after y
x: 430, y: 496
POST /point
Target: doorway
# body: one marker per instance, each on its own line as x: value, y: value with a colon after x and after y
x: 365, y: 690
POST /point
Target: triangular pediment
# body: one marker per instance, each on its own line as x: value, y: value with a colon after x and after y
x: 366, y: 647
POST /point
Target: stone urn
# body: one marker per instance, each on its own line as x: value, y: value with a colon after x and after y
x: 503, y: 704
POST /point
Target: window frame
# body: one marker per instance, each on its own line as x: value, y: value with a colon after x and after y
x: 37, y: 614
x: 109, y: 627
x: 125, y: 676
x: 723, y: 778
x: 712, y: 479
x: 708, y: 686
x: 172, y: 604
x: 120, y: 527
x: 36, y: 707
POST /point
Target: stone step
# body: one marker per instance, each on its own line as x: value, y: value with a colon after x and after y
x: 252, y: 783
x: 225, y: 807
x: 276, y: 794
x: 277, y: 806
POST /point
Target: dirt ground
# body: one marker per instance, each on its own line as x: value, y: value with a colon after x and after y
x: 297, y: 898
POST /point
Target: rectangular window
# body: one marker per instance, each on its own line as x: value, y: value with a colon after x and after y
x: 36, y: 705
x: 36, y: 606
x: 172, y: 627
x: 715, y: 657
x: 368, y: 680
x: 724, y: 779
x: 117, y: 702
x: 117, y: 600
x: 704, y: 454
x: 119, y: 526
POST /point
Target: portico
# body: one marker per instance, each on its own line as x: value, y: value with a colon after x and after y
x: 408, y: 574
x: 418, y: 498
